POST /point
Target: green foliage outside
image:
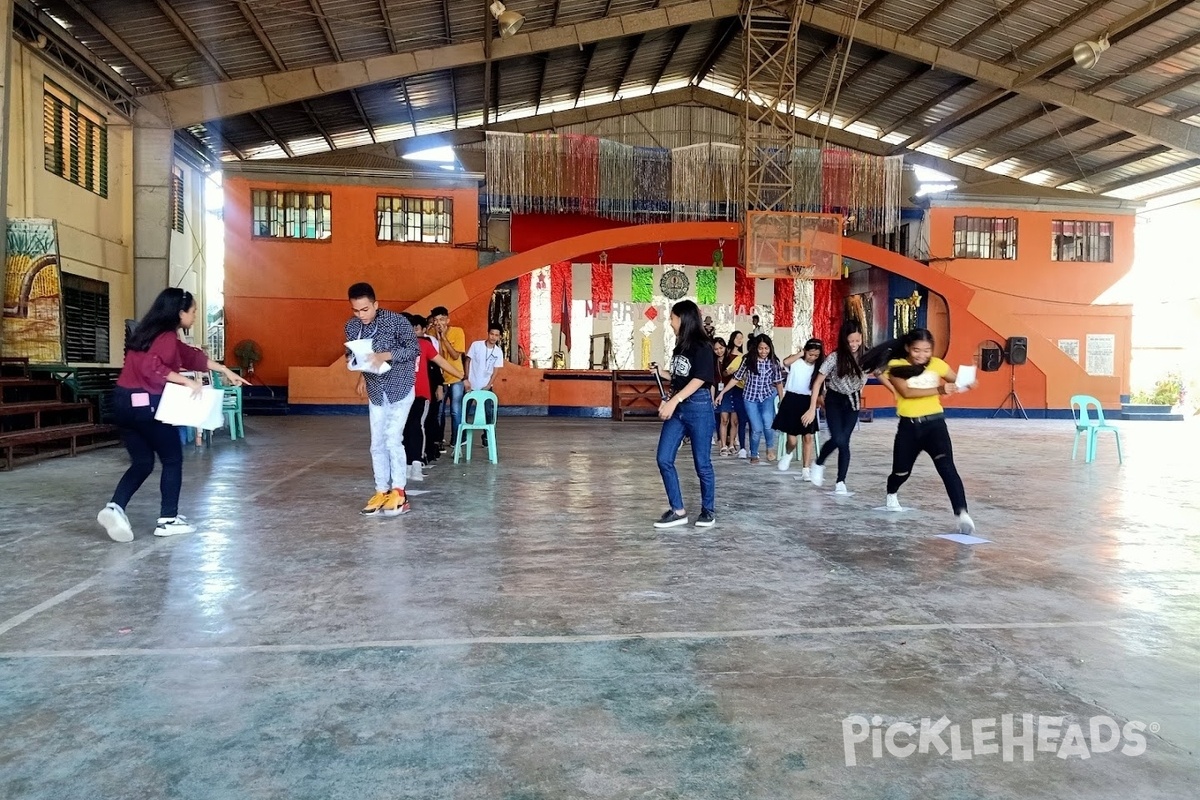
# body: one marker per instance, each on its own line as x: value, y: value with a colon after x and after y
x: 1167, y: 392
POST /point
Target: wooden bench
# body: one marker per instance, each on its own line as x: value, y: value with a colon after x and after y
x: 635, y: 395
x: 48, y: 406
x: 70, y: 434
x: 90, y: 384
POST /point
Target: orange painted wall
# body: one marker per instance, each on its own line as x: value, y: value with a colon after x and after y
x: 1049, y: 300
x: 290, y: 295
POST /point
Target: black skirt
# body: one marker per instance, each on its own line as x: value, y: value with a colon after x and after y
x: 791, y: 409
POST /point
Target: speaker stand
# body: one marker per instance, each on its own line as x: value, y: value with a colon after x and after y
x: 1011, y: 403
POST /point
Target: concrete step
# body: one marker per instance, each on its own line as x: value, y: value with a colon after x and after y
x: 1154, y: 417
x: 1134, y: 408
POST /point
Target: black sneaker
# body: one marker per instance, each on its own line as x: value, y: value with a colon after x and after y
x: 670, y: 519
x: 706, y: 519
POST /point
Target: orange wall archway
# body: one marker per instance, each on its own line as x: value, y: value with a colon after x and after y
x: 1047, y: 382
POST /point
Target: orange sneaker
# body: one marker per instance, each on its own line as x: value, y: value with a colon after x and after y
x: 396, y: 504
x: 374, y: 505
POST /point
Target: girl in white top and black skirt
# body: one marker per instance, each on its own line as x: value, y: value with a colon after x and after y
x: 802, y: 374
x: 843, y: 380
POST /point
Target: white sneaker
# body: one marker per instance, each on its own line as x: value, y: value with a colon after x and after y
x: 840, y: 488
x: 816, y: 475
x: 805, y: 474
x: 115, y: 523
x: 414, y: 471
x: 785, y: 462
x: 742, y: 453
x: 893, y: 503
x: 965, y: 523
x: 173, y: 526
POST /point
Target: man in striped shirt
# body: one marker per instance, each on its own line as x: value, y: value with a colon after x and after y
x: 391, y: 393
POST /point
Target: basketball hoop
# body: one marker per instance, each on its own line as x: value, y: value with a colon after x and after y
x: 786, y: 244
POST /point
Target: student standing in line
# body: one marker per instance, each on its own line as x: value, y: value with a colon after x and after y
x: 843, y: 379
x: 415, y: 444
x: 802, y: 374
x: 734, y: 355
x: 763, y: 378
x: 391, y: 395
x: 483, y: 358
x: 919, y: 379
x: 725, y: 422
x: 156, y: 357
x: 689, y: 412
x: 452, y: 344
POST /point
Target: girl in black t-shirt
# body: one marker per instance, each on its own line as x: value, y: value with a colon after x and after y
x: 689, y: 413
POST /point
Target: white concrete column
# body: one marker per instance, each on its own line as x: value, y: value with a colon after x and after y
x: 153, y: 155
x: 6, y: 45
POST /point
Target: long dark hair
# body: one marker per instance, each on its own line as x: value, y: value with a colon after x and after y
x: 847, y: 363
x: 877, y: 358
x: 740, y: 348
x: 691, y: 329
x: 752, y: 358
x: 163, y: 316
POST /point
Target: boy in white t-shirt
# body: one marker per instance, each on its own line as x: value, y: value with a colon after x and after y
x: 482, y: 359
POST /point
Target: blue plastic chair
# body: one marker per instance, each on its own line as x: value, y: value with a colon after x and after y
x: 476, y: 420
x: 781, y: 438
x: 1088, y: 427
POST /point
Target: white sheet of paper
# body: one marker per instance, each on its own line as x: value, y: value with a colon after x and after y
x: 966, y: 376
x: 359, y: 350
x: 178, y: 407
x: 963, y: 538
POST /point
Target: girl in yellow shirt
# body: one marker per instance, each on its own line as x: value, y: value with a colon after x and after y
x: 919, y: 380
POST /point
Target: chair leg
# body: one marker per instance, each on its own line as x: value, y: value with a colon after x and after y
x: 1091, y: 445
x: 1075, y: 447
x: 491, y: 434
x: 1120, y: 456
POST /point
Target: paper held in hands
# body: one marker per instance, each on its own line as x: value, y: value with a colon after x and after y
x: 966, y: 377
x: 179, y: 407
x: 360, y: 349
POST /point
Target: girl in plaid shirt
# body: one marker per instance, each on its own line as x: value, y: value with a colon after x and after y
x: 764, y: 377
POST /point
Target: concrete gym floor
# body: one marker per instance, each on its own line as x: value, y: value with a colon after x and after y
x: 525, y: 633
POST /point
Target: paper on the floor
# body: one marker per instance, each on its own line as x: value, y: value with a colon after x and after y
x: 178, y: 407
x: 359, y: 350
x: 963, y: 538
x: 893, y: 510
x: 965, y: 377
x: 416, y: 491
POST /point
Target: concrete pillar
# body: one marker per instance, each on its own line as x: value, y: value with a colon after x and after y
x: 153, y: 156
x: 6, y: 45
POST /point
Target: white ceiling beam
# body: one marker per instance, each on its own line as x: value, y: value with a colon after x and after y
x: 194, y: 105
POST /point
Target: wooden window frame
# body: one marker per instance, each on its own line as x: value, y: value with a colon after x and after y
x: 75, y: 140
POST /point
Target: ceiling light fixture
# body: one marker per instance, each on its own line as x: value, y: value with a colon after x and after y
x: 1086, y: 54
x: 509, y: 22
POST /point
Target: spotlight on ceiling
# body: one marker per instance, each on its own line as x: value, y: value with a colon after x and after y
x: 509, y: 22
x: 1087, y: 53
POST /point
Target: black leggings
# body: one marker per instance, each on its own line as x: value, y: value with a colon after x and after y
x: 932, y: 437
x: 144, y: 437
x: 414, y: 431
x: 841, y: 417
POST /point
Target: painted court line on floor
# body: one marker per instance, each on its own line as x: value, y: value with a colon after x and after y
x: 396, y: 644
x: 87, y: 583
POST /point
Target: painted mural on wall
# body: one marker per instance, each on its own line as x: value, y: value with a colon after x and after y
x: 33, y: 316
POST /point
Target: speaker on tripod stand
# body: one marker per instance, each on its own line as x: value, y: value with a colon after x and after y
x: 1016, y: 352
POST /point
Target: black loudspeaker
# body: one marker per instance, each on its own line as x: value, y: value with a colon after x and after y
x: 990, y: 359
x: 1018, y: 350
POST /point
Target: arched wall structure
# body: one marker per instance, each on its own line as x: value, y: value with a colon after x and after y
x: 1046, y: 382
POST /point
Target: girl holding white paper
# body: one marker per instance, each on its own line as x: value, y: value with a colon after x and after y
x: 919, y: 379
x: 156, y: 357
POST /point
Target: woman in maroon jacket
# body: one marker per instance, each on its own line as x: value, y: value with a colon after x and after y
x: 155, y: 357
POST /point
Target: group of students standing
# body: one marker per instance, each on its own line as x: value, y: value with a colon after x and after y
x: 729, y: 387
x: 428, y: 372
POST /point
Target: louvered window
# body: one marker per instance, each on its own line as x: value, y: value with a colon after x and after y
x: 414, y: 219
x: 86, y: 304
x: 75, y: 139
x: 177, y: 199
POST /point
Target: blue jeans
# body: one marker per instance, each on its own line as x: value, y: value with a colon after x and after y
x: 762, y: 417
x: 454, y: 399
x: 693, y: 418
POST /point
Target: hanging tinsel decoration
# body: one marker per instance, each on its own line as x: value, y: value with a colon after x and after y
x: 706, y: 286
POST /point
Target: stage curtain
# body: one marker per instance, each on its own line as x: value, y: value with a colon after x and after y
x: 524, y: 295
x: 785, y: 302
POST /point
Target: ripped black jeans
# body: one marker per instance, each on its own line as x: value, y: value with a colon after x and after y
x: 933, y: 437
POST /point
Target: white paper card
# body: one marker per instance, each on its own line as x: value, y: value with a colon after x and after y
x: 178, y: 407
x: 966, y: 376
x: 963, y: 538
x: 359, y: 350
